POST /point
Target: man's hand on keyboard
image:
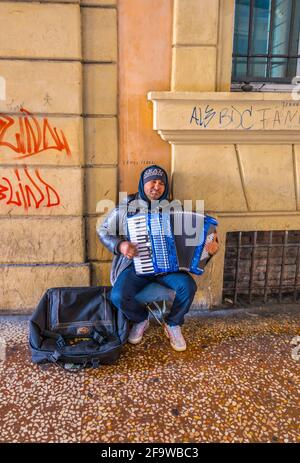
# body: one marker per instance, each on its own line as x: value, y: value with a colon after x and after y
x: 213, y: 246
x: 128, y: 249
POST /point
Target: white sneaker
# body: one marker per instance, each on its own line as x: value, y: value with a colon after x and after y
x: 137, y: 331
x: 176, y: 339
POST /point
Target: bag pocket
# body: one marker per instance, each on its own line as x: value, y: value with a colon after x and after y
x: 77, y: 311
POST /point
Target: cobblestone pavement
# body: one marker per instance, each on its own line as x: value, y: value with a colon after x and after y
x: 238, y: 381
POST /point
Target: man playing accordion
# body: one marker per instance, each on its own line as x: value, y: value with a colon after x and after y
x: 153, y: 187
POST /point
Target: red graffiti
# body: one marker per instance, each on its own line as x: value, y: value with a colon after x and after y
x: 32, y: 136
x: 29, y: 191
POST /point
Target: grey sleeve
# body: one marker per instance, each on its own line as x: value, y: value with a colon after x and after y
x: 109, y: 231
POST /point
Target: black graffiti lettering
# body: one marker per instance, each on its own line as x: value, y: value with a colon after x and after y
x: 224, y: 115
x: 263, y: 119
x: 249, y: 111
x: 276, y: 118
x: 194, y: 116
x: 205, y: 116
x: 209, y: 114
x: 241, y: 116
x: 288, y: 116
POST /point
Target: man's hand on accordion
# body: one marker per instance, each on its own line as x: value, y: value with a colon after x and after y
x: 128, y: 249
x: 213, y: 246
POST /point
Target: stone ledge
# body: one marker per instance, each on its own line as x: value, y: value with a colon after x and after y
x: 194, y: 137
x: 225, y: 117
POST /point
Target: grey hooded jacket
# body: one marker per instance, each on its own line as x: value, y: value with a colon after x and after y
x: 113, y: 231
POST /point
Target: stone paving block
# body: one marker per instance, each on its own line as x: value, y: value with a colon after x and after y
x: 194, y: 69
x: 51, y: 240
x: 99, y: 2
x: 95, y: 249
x: 42, y: 87
x: 209, y: 173
x: 35, y: 30
x: 41, y: 190
x: 22, y: 286
x: 99, y: 26
x: 100, y: 185
x: 101, y: 273
x: 269, y: 178
x: 100, y: 89
x: 30, y: 139
x: 101, y: 140
x: 195, y: 22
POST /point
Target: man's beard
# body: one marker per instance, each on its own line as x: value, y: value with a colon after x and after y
x: 155, y: 194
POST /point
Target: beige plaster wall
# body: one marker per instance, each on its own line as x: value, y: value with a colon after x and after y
x: 41, y: 152
x: 59, y: 140
x: 145, y: 37
x: 58, y: 144
x: 246, y: 183
x: 100, y: 108
x: 202, y: 42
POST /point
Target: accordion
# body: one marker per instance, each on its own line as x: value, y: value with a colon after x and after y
x: 170, y: 241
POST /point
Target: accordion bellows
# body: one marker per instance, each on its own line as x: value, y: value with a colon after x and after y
x: 171, y: 241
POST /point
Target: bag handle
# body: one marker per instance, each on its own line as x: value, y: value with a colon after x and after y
x: 60, y: 342
x: 95, y: 335
x: 98, y: 337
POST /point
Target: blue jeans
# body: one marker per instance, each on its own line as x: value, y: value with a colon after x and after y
x: 128, y: 284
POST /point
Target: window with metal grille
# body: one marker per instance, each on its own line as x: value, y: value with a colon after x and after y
x: 266, y: 41
x: 262, y: 267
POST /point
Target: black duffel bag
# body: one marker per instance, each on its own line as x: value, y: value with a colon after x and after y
x: 77, y: 327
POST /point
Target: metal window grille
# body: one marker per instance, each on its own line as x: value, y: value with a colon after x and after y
x: 262, y: 267
x: 266, y: 41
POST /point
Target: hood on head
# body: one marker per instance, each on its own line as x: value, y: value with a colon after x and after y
x: 141, y: 184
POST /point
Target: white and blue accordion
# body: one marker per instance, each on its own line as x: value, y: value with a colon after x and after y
x: 170, y: 241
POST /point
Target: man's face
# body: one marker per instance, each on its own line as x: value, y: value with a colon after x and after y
x: 154, y: 189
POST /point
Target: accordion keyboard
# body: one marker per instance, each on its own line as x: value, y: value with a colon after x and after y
x: 137, y: 227
x: 162, y: 250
